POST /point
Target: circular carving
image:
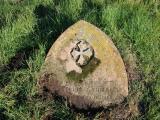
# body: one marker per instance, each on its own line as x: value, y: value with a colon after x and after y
x: 82, y: 52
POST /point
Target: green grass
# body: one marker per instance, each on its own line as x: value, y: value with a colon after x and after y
x: 29, y: 28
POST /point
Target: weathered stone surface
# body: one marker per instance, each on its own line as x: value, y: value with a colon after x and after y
x: 84, y: 66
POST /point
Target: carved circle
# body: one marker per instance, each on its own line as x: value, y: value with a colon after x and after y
x: 82, y: 52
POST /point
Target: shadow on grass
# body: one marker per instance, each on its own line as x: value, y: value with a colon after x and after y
x: 2, y: 21
x: 45, y: 32
x: 50, y: 24
x: 2, y: 115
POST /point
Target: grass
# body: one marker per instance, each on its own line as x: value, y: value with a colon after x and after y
x: 28, y: 28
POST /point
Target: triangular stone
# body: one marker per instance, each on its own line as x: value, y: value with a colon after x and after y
x: 85, y: 67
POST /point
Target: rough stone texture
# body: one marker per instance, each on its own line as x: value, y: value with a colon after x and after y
x: 82, y: 52
x: 99, y: 80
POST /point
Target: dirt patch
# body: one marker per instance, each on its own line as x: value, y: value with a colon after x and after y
x: 47, y: 116
x: 131, y: 65
x: 120, y: 112
x: 17, y: 61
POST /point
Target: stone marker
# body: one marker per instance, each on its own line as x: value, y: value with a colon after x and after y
x: 85, y: 68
